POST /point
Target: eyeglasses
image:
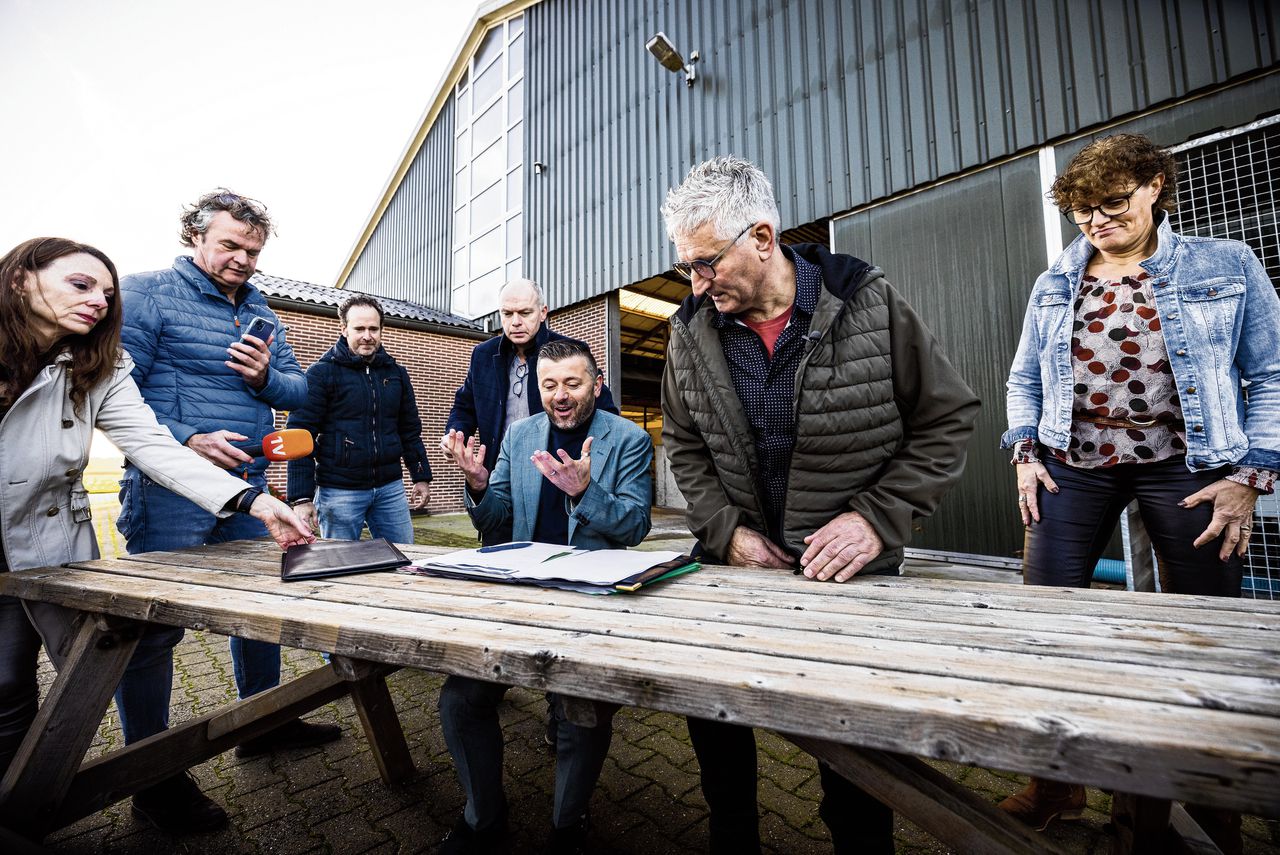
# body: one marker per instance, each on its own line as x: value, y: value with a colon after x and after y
x: 706, y: 269
x: 1110, y: 207
x: 522, y: 371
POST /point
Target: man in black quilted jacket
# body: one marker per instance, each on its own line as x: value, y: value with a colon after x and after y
x: 362, y: 411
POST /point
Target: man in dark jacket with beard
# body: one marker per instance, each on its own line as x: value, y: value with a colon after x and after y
x: 808, y: 417
x: 360, y: 407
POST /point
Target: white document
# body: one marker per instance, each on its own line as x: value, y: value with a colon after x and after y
x: 531, y: 560
x: 596, y: 566
x: 502, y: 559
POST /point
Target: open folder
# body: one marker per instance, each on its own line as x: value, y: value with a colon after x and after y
x: 592, y: 571
x: 339, y: 558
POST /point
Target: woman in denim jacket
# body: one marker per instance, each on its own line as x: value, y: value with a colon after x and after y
x: 1127, y: 384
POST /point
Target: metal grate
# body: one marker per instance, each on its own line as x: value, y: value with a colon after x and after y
x: 1228, y: 189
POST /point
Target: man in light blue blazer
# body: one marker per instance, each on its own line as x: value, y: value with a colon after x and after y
x: 574, y: 475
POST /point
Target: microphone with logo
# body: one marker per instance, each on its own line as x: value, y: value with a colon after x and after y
x: 287, y: 444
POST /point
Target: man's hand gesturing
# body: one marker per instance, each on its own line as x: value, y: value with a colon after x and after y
x: 467, y: 455
x: 571, y: 476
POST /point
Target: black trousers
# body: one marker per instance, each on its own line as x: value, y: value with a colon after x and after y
x: 727, y: 760
x: 19, y: 690
x: 1077, y: 521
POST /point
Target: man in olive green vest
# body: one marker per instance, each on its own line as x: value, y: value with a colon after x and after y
x: 808, y: 417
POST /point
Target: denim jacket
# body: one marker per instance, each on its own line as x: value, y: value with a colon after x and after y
x: 1221, y: 322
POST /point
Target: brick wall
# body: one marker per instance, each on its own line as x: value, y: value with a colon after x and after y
x: 436, y: 364
x: 587, y: 321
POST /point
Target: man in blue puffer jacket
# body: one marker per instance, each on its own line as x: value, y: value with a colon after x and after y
x: 213, y: 389
x: 363, y: 413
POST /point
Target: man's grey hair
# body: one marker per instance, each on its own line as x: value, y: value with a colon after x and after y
x: 537, y: 289
x: 726, y: 193
x: 197, y: 216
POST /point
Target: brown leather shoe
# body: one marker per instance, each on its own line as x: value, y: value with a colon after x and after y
x: 1042, y: 801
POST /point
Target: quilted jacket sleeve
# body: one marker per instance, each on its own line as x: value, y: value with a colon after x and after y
x: 938, y: 411
x: 712, y: 517
x: 140, y: 337
x: 286, y: 387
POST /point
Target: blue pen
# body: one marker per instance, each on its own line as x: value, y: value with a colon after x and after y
x: 499, y: 547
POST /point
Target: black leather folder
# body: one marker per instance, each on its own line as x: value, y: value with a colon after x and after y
x: 339, y: 558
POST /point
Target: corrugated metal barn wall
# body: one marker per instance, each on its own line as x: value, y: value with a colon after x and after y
x: 965, y: 254
x: 840, y: 102
x: 407, y: 256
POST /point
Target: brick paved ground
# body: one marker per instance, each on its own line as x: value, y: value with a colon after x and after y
x: 330, y: 800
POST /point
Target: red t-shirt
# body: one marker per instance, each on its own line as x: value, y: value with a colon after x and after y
x: 770, y: 330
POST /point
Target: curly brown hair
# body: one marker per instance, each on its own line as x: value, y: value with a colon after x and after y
x: 1105, y: 167
x: 359, y: 300
x: 94, y: 355
x: 197, y: 216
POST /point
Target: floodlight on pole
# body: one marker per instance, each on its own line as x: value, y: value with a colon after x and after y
x: 665, y: 52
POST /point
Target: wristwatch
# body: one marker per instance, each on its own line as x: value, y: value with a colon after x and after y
x: 246, y: 499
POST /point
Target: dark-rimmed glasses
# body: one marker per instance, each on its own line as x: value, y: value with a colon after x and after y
x: 706, y: 269
x: 1109, y: 207
x: 522, y: 371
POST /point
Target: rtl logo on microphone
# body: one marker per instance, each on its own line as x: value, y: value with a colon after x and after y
x: 287, y: 444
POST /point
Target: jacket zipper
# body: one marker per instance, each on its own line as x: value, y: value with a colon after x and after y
x: 373, y: 421
x: 811, y: 345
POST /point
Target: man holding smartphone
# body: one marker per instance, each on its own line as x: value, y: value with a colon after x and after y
x: 214, y: 385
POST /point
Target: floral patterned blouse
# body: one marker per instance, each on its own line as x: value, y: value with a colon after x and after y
x: 1122, y: 372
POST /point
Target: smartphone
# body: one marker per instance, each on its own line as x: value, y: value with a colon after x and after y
x: 261, y: 329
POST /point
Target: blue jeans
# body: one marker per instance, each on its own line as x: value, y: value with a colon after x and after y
x: 469, y: 718
x: 344, y: 513
x: 152, y: 519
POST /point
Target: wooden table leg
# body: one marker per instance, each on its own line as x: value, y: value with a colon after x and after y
x: 1141, y: 824
x: 1194, y: 839
x: 368, y: 686
x: 111, y: 777
x: 42, y: 772
x: 950, y: 812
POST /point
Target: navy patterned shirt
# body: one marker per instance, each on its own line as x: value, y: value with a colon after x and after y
x: 766, y: 388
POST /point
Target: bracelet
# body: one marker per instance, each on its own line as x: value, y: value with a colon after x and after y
x: 246, y: 499
x: 1024, y: 451
x: 297, y: 502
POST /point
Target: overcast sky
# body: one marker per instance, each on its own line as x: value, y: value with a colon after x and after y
x: 116, y: 112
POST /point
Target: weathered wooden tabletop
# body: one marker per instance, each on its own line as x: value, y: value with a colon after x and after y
x: 1158, y: 695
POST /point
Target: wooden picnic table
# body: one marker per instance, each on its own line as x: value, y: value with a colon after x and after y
x: 1155, y: 697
